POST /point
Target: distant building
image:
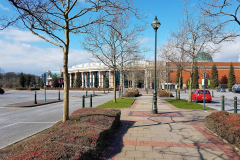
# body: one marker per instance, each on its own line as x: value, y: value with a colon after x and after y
x: 93, y: 74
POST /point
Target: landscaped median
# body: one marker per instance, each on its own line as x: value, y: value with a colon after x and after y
x: 120, y: 103
x: 184, y: 104
x: 81, y: 137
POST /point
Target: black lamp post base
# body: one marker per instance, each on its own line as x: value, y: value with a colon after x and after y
x: 154, y: 105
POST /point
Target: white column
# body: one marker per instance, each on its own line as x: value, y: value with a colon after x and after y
x: 90, y: 79
x: 110, y: 79
x: 99, y: 79
x: 75, y: 79
x: 82, y: 79
x: 85, y: 79
x: 93, y: 79
x: 102, y: 82
x: 70, y: 79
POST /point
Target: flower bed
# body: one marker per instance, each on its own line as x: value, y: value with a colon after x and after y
x: 81, y: 137
x: 225, y: 125
x: 131, y: 93
x: 164, y: 93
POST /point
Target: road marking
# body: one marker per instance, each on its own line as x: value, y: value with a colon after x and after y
x: 9, y: 125
x: 25, y: 123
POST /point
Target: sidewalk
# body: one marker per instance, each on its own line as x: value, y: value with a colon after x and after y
x: 171, y: 134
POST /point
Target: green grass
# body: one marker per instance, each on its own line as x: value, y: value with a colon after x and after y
x: 120, y: 103
x: 184, y: 104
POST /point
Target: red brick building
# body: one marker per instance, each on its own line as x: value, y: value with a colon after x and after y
x: 222, y: 67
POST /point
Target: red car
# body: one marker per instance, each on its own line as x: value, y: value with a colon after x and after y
x: 197, y: 95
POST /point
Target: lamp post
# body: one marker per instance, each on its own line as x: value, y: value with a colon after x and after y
x: 155, y: 24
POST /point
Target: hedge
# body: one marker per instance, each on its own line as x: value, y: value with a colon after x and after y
x: 164, y: 93
x: 131, y: 93
x: 225, y: 125
x: 81, y: 137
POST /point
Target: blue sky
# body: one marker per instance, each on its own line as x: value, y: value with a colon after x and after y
x: 23, y: 52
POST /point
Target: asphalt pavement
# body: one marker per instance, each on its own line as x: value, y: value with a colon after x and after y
x: 17, y: 123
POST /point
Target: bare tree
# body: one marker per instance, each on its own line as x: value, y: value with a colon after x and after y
x: 172, y: 53
x: 115, y: 47
x: 227, y: 11
x: 57, y: 19
x: 195, y: 32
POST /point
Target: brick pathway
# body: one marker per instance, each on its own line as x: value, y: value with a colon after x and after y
x: 171, y: 134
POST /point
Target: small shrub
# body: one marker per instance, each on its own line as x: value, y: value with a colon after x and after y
x: 20, y: 88
x: 226, y: 125
x: 32, y: 89
x: 131, y: 93
x: 164, y: 93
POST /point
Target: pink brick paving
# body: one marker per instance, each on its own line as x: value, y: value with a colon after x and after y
x: 169, y: 144
x: 228, y: 150
x: 216, y: 143
x: 133, y: 106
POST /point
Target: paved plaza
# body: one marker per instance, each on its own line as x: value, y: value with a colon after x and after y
x: 172, y: 134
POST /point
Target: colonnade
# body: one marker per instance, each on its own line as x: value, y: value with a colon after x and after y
x: 92, y: 79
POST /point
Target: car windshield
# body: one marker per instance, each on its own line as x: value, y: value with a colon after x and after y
x: 206, y: 92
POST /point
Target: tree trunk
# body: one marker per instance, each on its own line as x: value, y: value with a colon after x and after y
x: 179, y: 86
x: 122, y: 83
x: 65, y: 73
x: 190, y: 84
x: 114, y: 83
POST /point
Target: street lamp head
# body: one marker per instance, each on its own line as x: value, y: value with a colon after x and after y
x: 156, y: 24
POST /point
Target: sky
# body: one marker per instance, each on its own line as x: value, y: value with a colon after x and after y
x: 21, y: 51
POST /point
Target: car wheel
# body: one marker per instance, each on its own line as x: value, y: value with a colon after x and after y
x: 210, y: 101
x: 196, y: 100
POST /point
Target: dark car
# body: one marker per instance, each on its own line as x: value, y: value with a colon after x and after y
x: 1, y: 91
x: 230, y: 90
x: 237, y: 90
x: 221, y: 90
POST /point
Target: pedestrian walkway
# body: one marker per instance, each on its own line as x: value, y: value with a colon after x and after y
x: 171, y: 134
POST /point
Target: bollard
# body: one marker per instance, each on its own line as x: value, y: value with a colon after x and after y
x: 223, y: 103
x: 83, y: 101
x: 90, y: 100
x: 35, y: 102
x: 185, y: 90
x: 59, y: 95
x: 147, y: 91
x: 212, y: 93
x: 104, y: 90
x: 176, y: 94
x: 235, y: 104
x: 108, y: 90
x: 86, y: 93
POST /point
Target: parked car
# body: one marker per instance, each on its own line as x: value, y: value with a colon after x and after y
x: 197, y: 95
x: 221, y: 90
x: 230, y: 90
x: 1, y: 91
x: 237, y: 90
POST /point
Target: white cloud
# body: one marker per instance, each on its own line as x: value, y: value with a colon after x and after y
x: 4, y: 8
x: 20, y: 36
x: 229, y: 52
x: 21, y: 57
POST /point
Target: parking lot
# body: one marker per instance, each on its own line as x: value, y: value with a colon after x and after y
x: 217, y: 100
